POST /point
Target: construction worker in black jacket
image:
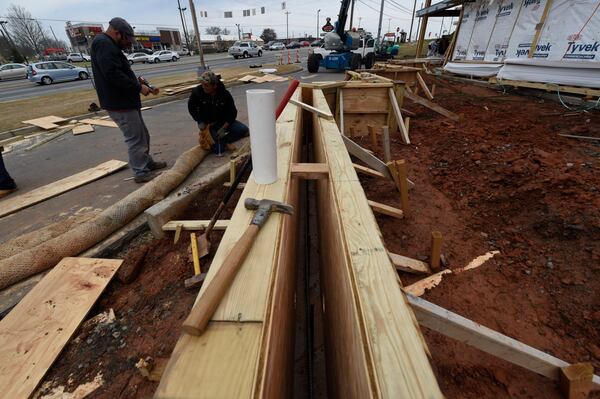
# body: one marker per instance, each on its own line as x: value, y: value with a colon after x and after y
x: 213, y: 108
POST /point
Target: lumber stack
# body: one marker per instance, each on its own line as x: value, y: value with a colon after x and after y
x: 374, y: 347
x: 247, y: 348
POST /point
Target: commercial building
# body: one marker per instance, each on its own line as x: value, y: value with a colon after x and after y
x: 81, y: 35
x: 160, y: 39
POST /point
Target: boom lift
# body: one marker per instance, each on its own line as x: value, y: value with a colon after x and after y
x: 341, y: 43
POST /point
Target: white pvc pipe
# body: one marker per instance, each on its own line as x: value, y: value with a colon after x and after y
x: 263, y: 140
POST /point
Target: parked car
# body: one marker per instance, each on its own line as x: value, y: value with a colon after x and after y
x: 163, y: 55
x: 277, y: 46
x: 316, y: 43
x: 268, y: 45
x: 78, y: 57
x: 293, y: 45
x: 13, y: 71
x: 45, y: 73
x: 244, y: 49
x: 143, y: 50
x: 305, y: 43
x: 184, y: 51
x: 137, y: 57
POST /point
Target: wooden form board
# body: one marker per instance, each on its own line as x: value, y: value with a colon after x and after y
x: 47, y: 122
x: 406, y: 74
x: 247, y: 348
x: 34, y: 333
x: 13, y: 204
x: 474, y: 334
x: 81, y: 129
x: 374, y: 346
x: 99, y: 122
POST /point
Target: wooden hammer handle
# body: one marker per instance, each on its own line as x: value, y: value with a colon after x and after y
x: 207, y: 304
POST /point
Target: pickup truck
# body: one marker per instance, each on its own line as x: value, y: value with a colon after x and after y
x: 244, y: 49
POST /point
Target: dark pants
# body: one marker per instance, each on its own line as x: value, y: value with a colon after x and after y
x: 236, y: 131
x: 137, y: 139
x: 6, y: 182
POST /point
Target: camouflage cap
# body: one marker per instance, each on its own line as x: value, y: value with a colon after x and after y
x: 209, y: 77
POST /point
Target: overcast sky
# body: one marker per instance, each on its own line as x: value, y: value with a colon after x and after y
x: 148, y: 14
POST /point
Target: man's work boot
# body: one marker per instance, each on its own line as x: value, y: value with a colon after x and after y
x: 146, y: 177
x: 156, y: 165
x: 5, y: 192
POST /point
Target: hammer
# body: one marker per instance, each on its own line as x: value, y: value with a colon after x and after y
x: 207, y: 304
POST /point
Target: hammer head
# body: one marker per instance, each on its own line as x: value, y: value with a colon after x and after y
x: 264, y: 207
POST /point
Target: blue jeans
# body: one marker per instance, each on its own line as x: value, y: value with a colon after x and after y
x: 236, y: 131
x: 6, y: 182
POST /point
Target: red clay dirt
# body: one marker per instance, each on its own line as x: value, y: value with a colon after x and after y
x: 502, y: 179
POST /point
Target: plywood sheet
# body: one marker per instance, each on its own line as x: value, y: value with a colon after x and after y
x: 47, y: 122
x: 99, y: 122
x: 34, y: 333
x: 13, y: 204
x: 81, y: 129
x: 247, y: 78
x: 373, y: 99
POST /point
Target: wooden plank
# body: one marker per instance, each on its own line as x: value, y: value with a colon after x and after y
x: 367, y: 171
x: 386, y: 209
x: 424, y: 87
x: 374, y: 347
x: 81, y: 129
x: 14, y: 204
x: 245, y: 348
x: 371, y: 160
x: 487, y: 340
x: 47, y: 122
x: 309, y: 171
x: 548, y: 87
x: 399, y: 118
x: 34, y: 333
x: 314, y: 110
x: 575, y: 380
x: 409, y: 265
x: 538, y: 29
x: 387, y: 153
x: 247, y: 78
x: 431, y: 105
x: 371, y: 98
x: 436, y: 250
x: 99, y: 122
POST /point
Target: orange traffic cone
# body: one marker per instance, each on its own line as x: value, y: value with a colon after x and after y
x: 289, y: 58
x: 297, y: 56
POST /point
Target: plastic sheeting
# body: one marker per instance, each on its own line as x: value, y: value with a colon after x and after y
x: 465, y: 31
x: 557, y: 72
x: 506, y: 16
x: 484, y: 26
x: 473, y: 69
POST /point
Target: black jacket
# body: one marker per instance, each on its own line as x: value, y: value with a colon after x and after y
x: 116, y: 84
x: 219, y: 108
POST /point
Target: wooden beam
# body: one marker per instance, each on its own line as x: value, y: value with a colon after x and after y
x: 575, y: 380
x: 14, y: 204
x: 409, y: 265
x: 386, y: 209
x: 371, y: 336
x: 34, y: 333
x: 192, y: 225
x: 399, y: 118
x: 371, y: 160
x: 310, y: 171
x: 538, y: 29
x: 431, y: 105
x: 436, y: 250
x: 422, y: 30
x: 373, y: 135
x: 487, y: 340
x: 341, y: 110
x: 99, y: 122
x: 368, y: 171
x: 387, y: 153
x: 423, y: 85
x: 312, y: 109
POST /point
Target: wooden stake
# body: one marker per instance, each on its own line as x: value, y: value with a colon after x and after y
x: 177, y: 233
x: 576, y: 380
x: 403, y: 182
x: 436, y: 250
x: 195, y: 257
x: 373, y: 136
x: 407, y: 124
x: 423, y: 86
x: 387, y: 155
x: 232, y: 170
x: 386, y: 209
x: 351, y: 129
x: 433, y: 85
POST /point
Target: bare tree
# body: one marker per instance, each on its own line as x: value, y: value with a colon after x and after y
x: 213, y: 30
x: 25, y: 30
x: 225, y: 31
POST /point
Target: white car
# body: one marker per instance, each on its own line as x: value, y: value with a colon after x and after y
x: 244, y: 49
x: 163, y: 55
x: 8, y: 71
x: 138, y: 57
x: 78, y: 57
x: 277, y: 46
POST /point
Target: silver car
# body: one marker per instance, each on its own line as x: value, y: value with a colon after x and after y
x: 45, y: 73
x: 8, y: 71
x: 138, y: 57
x: 244, y: 49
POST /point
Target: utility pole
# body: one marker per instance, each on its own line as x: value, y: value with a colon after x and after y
x: 202, y: 67
x: 185, y: 34
x: 10, y: 40
x: 41, y: 31
x: 419, y: 26
x: 359, y: 20
x: 318, y: 22
x: 52, y: 30
x: 239, y: 33
x: 287, y: 26
x: 412, y: 20
x: 351, y: 14
x: 379, y: 26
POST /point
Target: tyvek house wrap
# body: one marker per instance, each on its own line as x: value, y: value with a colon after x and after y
x: 465, y: 31
x: 506, y: 16
x: 484, y: 25
x: 524, y: 29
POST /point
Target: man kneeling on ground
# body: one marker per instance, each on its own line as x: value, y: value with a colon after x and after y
x: 213, y: 108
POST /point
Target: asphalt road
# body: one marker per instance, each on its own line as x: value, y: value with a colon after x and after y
x: 11, y: 90
x: 172, y: 132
